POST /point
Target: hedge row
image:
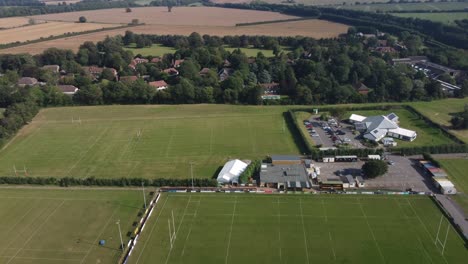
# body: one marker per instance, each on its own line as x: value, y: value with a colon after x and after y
x: 271, y: 22
x: 252, y: 170
x: 119, y: 182
x: 439, y: 149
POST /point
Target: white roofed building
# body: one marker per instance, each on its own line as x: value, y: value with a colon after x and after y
x: 231, y: 171
x: 375, y: 128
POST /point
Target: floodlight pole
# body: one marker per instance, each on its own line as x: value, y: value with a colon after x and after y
x: 143, y: 189
x: 120, y: 233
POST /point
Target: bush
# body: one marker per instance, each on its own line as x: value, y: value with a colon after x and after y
x: 374, y: 168
x: 82, y: 19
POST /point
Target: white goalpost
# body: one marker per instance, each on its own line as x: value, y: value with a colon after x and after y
x: 24, y: 171
x: 76, y: 120
x: 172, y: 231
x: 437, y: 240
x: 139, y: 133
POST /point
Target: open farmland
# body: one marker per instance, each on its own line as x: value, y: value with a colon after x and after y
x: 45, y: 30
x: 255, y: 228
x: 441, y: 112
x: 105, y: 144
x: 428, y: 6
x: 193, y: 16
x: 304, y: 2
x: 12, y: 22
x: 312, y: 28
x: 64, y: 226
x: 447, y: 18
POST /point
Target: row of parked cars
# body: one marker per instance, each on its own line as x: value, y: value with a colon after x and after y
x: 310, y: 129
x: 335, y: 133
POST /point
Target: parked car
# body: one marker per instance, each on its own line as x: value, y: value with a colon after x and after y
x: 347, y: 140
x: 390, y: 162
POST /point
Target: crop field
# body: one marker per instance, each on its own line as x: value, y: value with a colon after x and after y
x: 447, y: 18
x: 441, y: 112
x: 105, y: 143
x: 456, y: 170
x: 255, y: 228
x: 427, y: 134
x: 11, y: 22
x: 437, y: 6
x: 312, y: 28
x: 45, y: 30
x: 64, y: 226
x: 193, y: 16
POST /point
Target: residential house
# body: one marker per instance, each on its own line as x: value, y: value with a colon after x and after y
x: 128, y: 79
x: 68, y: 89
x: 226, y: 63
x: 177, y: 63
x: 97, y: 71
x: 51, y: 68
x: 156, y: 60
x: 224, y: 73
x: 270, y: 88
x: 159, y: 85
x: 171, y: 72
x: 204, y: 71
x: 24, y: 81
x: 137, y: 61
x: 361, y: 88
x: 385, y: 49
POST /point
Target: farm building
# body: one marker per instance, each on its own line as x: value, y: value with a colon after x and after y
x: 24, y: 81
x: 375, y: 128
x: 285, y: 160
x: 231, y: 171
x: 284, y: 177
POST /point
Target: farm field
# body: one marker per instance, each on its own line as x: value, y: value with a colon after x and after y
x: 312, y: 28
x: 437, y: 6
x: 45, y: 30
x: 64, y: 226
x: 427, y: 135
x: 11, y: 22
x: 456, y: 170
x: 255, y: 228
x: 56, y: 2
x: 154, y: 50
x: 441, y: 112
x: 304, y: 2
x: 193, y: 16
x: 105, y: 144
x: 447, y: 18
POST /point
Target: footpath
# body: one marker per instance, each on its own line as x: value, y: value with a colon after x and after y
x: 455, y: 212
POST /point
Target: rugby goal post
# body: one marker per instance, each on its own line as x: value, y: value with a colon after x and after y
x: 438, y: 240
x: 24, y: 171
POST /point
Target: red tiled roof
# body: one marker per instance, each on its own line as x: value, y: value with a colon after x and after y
x: 67, y: 88
x: 158, y: 84
x: 128, y: 78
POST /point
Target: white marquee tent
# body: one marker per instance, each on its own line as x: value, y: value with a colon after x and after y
x: 231, y: 171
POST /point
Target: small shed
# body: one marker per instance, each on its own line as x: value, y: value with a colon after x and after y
x: 445, y: 186
x: 360, y: 182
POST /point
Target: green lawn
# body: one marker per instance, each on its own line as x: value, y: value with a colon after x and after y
x: 456, y: 169
x: 155, y: 50
x: 409, y: 6
x: 253, y: 228
x: 447, y: 18
x: 427, y: 135
x: 64, y: 226
x: 105, y: 144
x: 441, y: 112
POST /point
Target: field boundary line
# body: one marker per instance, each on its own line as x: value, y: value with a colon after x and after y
x: 230, y: 231
x: 41, y: 258
x: 425, y: 227
x: 211, y: 140
x: 328, y: 228
x: 102, y: 231
x: 421, y: 248
x: 371, y: 231
x: 191, y: 225
x: 178, y: 228
x: 87, y: 151
x: 35, y: 231
x: 169, y: 143
x: 152, y: 228
x: 279, y: 228
x: 303, y: 230
x: 21, y: 218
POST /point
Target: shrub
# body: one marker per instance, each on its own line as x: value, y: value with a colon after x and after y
x: 82, y: 19
x: 374, y: 168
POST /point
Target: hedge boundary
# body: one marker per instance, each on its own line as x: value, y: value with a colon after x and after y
x: 273, y: 21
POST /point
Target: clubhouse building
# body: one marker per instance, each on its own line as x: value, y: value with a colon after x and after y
x: 375, y: 128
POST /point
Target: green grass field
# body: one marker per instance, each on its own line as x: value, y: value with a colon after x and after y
x: 427, y: 135
x: 441, y: 112
x: 255, y: 228
x: 105, y: 144
x: 456, y: 169
x: 438, y: 6
x: 155, y: 50
x: 64, y: 226
x: 447, y: 18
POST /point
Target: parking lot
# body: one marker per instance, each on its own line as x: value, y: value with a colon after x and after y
x: 402, y: 175
x: 330, y: 134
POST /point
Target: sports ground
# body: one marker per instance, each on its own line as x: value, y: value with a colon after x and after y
x: 255, y: 228
x: 65, y: 226
x: 145, y: 141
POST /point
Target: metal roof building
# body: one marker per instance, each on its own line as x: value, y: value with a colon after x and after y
x: 231, y: 171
